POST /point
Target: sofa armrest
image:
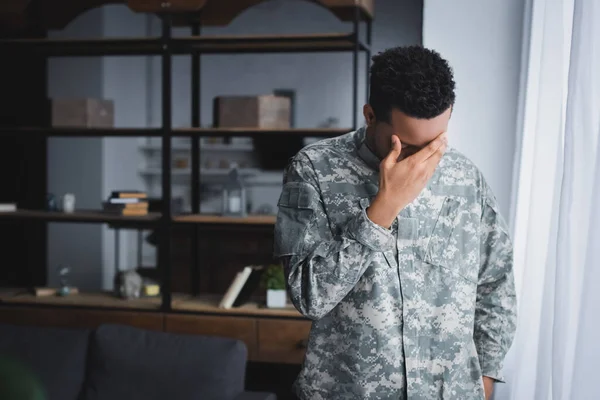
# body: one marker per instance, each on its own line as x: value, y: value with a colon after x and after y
x: 256, y: 396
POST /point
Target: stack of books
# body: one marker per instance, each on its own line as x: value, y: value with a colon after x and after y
x: 126, y: 203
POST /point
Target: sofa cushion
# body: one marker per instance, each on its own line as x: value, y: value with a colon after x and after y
x: 128, y: 363
x: 56, y: 357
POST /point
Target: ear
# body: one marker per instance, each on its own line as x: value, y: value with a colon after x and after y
x: 369, y: 115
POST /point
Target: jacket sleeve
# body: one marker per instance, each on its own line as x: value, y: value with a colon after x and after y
x: 495, y: 311
x: 320, y: 268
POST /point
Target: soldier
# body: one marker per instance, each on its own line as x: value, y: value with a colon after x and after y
x: 394, y: 247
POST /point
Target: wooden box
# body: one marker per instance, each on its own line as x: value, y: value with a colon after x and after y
x: 82, y: 113
x: 262, y: 112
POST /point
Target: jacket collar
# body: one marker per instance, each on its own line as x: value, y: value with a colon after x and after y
x: 364, y: 152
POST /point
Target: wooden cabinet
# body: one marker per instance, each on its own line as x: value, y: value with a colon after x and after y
x: 79, y: 318
x: 240, y: 328
x: 272, y: 340
x: 282, y: 341
x: 268, y: 339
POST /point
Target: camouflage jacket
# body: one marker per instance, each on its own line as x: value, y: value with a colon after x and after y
x: 419, y: 311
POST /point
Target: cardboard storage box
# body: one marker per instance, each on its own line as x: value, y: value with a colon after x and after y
x: 82, y: 113
x: 262, y: 112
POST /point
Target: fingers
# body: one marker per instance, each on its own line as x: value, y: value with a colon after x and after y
x: 394, y: 153
x: 436, y: 148
x: 429, y: 165
x: 437, y: 156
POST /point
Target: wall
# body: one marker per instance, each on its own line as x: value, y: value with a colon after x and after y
x: 482, y: 41
x: 75, y: 164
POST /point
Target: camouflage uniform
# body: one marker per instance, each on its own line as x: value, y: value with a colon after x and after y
x: 419, y: 311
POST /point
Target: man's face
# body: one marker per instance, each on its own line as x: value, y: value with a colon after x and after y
x: 414, y: 133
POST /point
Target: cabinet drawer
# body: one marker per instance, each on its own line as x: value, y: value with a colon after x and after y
x: 243, y: 329
x: 282, y: 341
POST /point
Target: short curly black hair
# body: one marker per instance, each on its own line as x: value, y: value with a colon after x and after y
x: 412, y: 79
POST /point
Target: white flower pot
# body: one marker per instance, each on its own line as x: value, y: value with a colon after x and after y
x: 276, y: 298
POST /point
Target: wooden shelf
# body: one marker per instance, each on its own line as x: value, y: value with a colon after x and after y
x: 218, y: 219
x: 117, y: 220
x: 231, y: 147
x: 176, y: 132
x: 99, y: 299
x: 324, y: 42
x: 235, y: 44
x: 223, y: 12
x: 230, y: 132
x: 220, y: 147
x: 80, y: 132
x: 83, y: 47
x: 79, y: 216
x: 218, y: 172
x: 210, y: 304
x: 180, y: 302
x: 56, y: 15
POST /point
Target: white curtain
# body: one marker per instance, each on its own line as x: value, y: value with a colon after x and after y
x: 556, y: 206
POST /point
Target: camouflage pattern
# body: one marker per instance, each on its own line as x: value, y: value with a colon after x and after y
x: 420, y: 311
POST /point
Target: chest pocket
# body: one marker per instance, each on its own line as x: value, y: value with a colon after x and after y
x: 454, y: 240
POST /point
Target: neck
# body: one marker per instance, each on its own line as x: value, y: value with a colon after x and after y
x: 370, y: 140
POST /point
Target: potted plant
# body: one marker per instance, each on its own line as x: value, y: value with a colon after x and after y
x: 274, y: 282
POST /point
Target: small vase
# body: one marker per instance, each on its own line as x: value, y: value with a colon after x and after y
x: 68, y: 203
x: 276, y: 298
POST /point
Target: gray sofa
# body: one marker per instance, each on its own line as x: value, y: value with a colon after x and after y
x: 116, y: 362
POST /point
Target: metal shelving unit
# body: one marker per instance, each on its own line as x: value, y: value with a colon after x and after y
x: 166, y: 46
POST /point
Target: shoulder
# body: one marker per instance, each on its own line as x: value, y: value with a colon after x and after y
x: 339, y: 146
x: 458, y: 165
x: 326, y: 153
x: 460, y: 172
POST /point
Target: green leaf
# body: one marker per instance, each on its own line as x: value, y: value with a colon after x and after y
x: 273, y: 277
